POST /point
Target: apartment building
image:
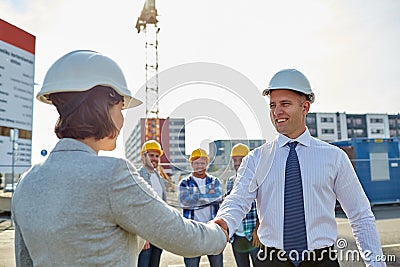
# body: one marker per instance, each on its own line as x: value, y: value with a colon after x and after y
x: 333, y: 127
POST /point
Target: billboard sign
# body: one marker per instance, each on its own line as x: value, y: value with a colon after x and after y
x: 17, y: 62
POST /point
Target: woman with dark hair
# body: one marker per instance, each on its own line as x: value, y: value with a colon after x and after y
x: 80, y: 209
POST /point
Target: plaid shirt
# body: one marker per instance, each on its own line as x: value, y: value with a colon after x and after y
x: 249, y: 222
x: 191, y: 199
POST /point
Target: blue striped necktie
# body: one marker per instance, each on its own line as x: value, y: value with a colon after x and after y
x: 294, y: 226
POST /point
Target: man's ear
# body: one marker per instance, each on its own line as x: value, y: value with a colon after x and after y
x: 306, y: 106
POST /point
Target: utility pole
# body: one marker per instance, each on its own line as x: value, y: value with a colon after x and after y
x: 13, y: 138
x: 14, y: 133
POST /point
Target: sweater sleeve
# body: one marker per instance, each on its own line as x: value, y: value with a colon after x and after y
x: 138, y: 209
x: 22, y: 256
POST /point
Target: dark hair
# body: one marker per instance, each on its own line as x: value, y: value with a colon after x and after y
x: 86, y: 114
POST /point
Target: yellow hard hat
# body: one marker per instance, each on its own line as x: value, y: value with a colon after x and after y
x: 151, y: 145
x: 198, y: 153
x: 240, y: 150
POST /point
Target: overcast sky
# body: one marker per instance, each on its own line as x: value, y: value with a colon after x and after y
x: 348, y: 49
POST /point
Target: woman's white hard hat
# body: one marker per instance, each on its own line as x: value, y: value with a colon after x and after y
x: 82, y: 70
x: 290, y: 79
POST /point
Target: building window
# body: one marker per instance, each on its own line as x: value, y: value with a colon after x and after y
x: 355, y: 133
x: 358, y: 121
x: 377, y: 131
x: 326, y: 119
x: 376, y: 120
x: 355, y: 121
x: 177, y: 122
x: 310, y: 120
x: 358, y: 132
x: 327, y: 131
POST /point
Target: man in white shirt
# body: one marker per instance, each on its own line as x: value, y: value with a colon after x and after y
x: 150, y: 154
x: 322, y: 174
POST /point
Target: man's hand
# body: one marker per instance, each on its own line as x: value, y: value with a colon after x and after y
x: 255, y: 242
x: 224, y: 227
x: 146, y: 245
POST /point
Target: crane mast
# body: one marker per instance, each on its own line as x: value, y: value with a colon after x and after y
x: 147, y: 23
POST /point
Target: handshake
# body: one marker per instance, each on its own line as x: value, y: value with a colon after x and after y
x: 224, y: 226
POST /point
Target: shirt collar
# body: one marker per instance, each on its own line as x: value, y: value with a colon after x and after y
x: 304, y: 139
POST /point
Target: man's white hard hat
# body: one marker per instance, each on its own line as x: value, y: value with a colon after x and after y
x: 291, y: 79
x: 80, y: 71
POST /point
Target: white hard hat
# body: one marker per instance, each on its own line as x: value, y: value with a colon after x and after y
x: 81, y: 70
x: 291, y: 79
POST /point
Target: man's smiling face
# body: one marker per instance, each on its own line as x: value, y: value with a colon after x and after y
x: 288, y: 111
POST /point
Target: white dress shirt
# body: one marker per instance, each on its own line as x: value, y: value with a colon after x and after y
x: 327, y: 175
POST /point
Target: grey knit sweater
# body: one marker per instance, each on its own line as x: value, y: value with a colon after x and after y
x: 81, y: 209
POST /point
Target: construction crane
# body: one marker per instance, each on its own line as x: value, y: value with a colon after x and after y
x: 147, y: 23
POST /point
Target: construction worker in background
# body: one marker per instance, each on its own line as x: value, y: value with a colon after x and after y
x: 245, y: 242
x: 150, y: 155
x: 296, y: 180
x: 199, y: 195
x: 169, y: 184
x: 78, y: 208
